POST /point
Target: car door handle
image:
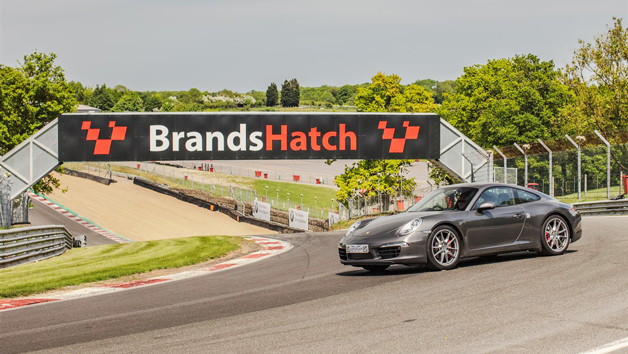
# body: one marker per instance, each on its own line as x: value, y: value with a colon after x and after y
x: 518, y: 215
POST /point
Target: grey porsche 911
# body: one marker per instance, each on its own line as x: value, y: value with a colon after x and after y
x: 463, y: 220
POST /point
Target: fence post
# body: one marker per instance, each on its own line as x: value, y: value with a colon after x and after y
x: 525, y: 163
x: 505, y: 163
x: 551, y: 179
x: 608, y: 164
x: 577, y: 145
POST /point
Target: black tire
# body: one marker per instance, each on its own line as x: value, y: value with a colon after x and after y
x: 549, y: 247
x: 434, y: 261
x: 376, y: 268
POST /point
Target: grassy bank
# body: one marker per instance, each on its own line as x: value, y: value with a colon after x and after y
x: 86, y: 265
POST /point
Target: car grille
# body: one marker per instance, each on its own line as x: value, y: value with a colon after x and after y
x: 359, y: 256
x: 343, y: 253
x: 389, y: 252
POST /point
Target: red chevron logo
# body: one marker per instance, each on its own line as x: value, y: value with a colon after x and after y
x: 103, y: 146
x: 397, y: 145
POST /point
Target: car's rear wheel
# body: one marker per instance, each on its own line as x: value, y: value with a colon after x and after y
x: 443, y: 248
x: 555, y: 236
x: 376, y: 268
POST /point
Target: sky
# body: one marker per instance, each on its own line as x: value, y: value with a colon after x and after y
x: 245, y: 45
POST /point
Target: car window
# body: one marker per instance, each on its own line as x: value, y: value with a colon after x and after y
x: 446, y: 199
x: 500, y: 196
x: 522, y: 196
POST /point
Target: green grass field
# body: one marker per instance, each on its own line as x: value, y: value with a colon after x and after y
x: 591, y: 195
x: 86, y: 265
x: 323, y: 194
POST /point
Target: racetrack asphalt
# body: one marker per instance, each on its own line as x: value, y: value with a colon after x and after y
x: 42, y: 215
x: 304, y: 301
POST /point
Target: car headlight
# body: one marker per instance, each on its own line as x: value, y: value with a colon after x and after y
x: 410, y: 227
x: 395, y: 244
x: 353, y: 228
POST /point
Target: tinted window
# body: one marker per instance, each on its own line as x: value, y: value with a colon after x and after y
x: 448, y: 198
x: 500, y: 196
x: 525, y: 197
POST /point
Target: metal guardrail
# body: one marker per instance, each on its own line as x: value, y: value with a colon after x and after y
x: 29, y: 244
x: 604, y: 207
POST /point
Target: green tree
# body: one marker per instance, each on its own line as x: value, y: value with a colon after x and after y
x: 272, y: 95
x: 386, y: 94
x: 290, y: 93
x: 152, y: 103
x: 129, y: 102
x: 31, y: 96
x: 437, y: 89
x: 82, y: 94
x: 167, y: 106
x: 598, y: 76
x: 103, y: 98
x: 507, y: 101
x: 362, y: 178
x: 345, y: 93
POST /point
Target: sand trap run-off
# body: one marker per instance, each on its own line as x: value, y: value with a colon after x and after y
x: 140, y: 214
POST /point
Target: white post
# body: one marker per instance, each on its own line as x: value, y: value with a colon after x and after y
x: 505, y: 163
x: 525, y: 164
x: 579, y: 176
x: 551, y: 178
x: 608, y: 164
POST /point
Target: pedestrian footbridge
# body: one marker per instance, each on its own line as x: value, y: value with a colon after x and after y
x: 244, y: 135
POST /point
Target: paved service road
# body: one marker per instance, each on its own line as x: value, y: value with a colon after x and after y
x: 43, y: 215
x: 304, y: 301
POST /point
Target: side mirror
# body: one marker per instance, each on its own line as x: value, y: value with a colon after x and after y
x: 486, y: 206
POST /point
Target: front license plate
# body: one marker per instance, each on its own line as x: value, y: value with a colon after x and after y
x: 357, y: 248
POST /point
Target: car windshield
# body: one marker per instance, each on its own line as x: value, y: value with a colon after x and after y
x: 447, y: 198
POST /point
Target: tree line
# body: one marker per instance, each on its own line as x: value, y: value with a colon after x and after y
x: 501, y: 102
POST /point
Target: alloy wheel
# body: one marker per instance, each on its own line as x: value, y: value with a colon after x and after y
x: 445, y: 247
x: 556, y: 234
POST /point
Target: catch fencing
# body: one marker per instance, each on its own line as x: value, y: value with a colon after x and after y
x: 29, y: 244
x: 570, y: 169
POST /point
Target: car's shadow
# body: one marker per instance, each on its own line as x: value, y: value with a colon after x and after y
x: 464, y: 263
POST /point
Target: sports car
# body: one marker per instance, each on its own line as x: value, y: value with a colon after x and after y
x: 459, y: 221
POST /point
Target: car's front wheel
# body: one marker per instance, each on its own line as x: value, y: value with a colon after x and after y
x: 554, y: 236
x: 443, y: 248
x: 376, y: 268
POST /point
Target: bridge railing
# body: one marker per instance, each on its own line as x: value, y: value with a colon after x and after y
x: 29, y: 244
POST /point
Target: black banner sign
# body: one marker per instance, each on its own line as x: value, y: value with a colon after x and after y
x: 247, y: 136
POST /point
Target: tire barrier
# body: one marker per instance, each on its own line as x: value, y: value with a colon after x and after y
x: 101, y: 180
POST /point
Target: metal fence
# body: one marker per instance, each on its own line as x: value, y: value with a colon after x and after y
x: 29, y: 244
x: 571, y: 169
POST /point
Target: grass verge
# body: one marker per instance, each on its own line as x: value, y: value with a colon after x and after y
x: 87, y: 265
x: 590, y: 196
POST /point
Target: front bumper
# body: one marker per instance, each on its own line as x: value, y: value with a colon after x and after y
x: 576, y: 224
x: 413, y: 254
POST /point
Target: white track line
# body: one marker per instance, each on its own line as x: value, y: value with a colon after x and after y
x: 610, y: 347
